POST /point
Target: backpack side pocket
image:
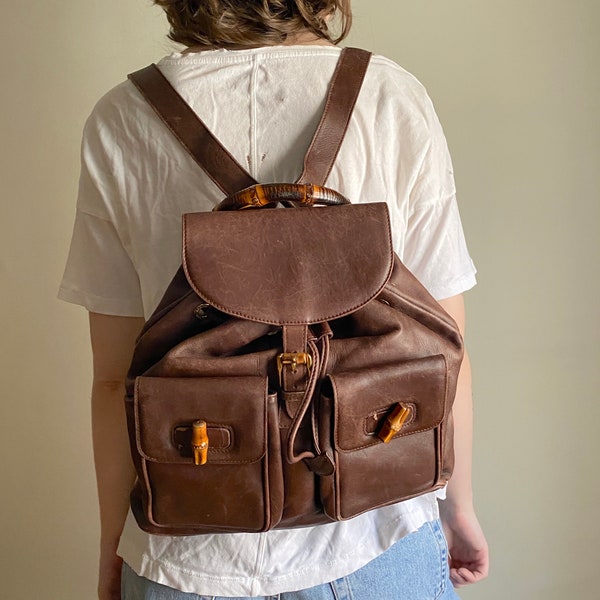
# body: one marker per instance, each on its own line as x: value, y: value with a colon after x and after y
x: 359, y: 406
x: 238, y: 487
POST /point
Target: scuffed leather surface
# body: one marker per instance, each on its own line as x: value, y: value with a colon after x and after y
x: 369, y: 472
x: 240, y: 485
x: 238, y: 405
x: 419, y: 383
x: 388, y: 341
x: 380, y: 339
x: 289, y: 267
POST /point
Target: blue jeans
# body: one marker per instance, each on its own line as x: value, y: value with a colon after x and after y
x: 415, y: 568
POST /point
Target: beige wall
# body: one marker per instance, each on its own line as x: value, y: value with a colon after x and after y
x: 516, y: 85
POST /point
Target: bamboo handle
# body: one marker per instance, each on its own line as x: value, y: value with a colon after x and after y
x: 270, y: 194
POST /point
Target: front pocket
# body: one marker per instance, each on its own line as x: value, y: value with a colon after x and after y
x: 354, y: 407
x: 239, y: 486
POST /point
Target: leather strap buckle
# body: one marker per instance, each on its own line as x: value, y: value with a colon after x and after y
x: 292, y: 360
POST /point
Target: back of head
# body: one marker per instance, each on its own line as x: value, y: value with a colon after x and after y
x: 253, y: 23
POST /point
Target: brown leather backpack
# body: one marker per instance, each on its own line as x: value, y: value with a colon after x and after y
x: 295, y: 372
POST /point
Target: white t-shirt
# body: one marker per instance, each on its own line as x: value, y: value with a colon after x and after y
x: 136, y: 182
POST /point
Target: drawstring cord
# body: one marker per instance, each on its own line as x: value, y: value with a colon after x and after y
x: 315, y: 405
x: 320, y: 358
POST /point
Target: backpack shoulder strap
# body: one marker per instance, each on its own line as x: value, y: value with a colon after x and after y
x: 218, y: 163
x: 191, y: 131
x: 343, y: 92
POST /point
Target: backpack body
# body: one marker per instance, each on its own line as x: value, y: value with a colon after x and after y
x: 295, y: 372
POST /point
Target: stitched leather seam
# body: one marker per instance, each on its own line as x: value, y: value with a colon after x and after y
x: 318, y: 319
x: 345, y: 450
x: 146, y: 457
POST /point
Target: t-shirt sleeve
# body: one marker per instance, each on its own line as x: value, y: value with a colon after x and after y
x: 100, y: 274
x: 434, y: 244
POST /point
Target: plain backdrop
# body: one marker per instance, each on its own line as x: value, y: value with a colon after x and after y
x: 517, y: 87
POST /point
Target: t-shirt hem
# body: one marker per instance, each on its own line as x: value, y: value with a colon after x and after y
x: 117, y: 307
x: 185, y: 580
x: 458, y: 286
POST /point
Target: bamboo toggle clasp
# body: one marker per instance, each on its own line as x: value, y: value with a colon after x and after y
x: 393, y: 424
x: 200, y: 442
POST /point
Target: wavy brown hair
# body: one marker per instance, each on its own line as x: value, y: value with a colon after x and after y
x: 252, y: 23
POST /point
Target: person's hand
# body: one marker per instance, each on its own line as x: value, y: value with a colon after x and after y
x: 109, y: 576
x: 469, y: 555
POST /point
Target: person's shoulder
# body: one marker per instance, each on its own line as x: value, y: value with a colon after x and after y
x: 116, y: 100
x: 119, y: 107
x: 392, y: 70
x: 390, y: 74
x: 119, y: 119
x: 390, y: 88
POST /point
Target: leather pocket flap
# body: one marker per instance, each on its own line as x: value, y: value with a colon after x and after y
x: 364, y: 399
x: 235, y: 411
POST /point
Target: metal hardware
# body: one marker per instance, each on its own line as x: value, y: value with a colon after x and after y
x: 292, y: 360
x: 200, y: 442
x: 393, y: 424
x: 200, y: 312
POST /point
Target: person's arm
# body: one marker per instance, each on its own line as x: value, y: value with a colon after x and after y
x: 113, y: 339
x: 469, y: 557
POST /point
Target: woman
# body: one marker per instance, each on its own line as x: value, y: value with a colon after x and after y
x: 257, y: 73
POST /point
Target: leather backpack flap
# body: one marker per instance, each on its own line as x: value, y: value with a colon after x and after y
x: 287, y: 267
